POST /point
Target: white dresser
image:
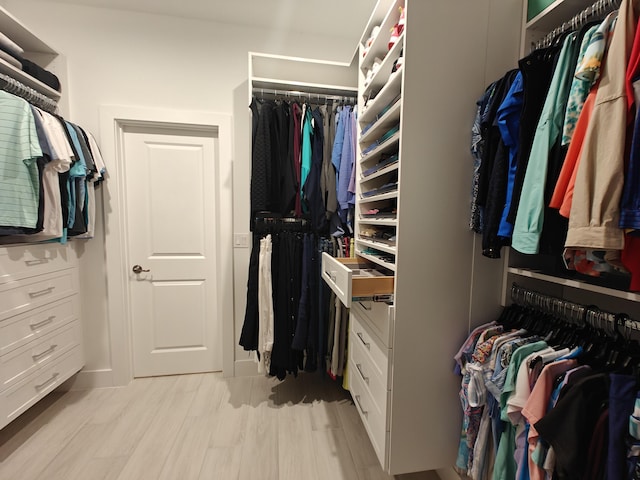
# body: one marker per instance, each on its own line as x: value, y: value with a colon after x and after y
x: 40, y: 330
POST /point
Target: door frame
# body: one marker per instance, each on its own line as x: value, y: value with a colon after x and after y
x: 114, y: 120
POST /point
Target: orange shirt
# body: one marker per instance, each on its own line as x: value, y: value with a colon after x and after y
x: 563, y: 193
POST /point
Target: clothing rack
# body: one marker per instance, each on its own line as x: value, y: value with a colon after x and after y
x: 572, y: 312
x: 273, y: 224
x: 597, y: 10
x: 15, y: 87
x: 266, y: 93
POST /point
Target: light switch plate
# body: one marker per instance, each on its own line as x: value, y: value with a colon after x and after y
x: 240, y: 240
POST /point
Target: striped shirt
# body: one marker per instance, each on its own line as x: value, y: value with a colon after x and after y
x: 19, y: 149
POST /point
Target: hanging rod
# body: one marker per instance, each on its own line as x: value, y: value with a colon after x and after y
x: 15, y: 87
x: 301, y: 94
x: 598, y: 9
x: 573, y: 312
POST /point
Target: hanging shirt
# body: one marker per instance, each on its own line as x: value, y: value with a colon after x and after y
x: 509, y: 125
x: 19, y: 149
x: 305, y: 166
x: 346, y: 162
x: 595, y: 210
x: 529, y: 220
x: 586, y: 74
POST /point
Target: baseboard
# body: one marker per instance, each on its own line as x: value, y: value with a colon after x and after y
x: 448, y: 474
x: 88, y: 379
x: 245, y: 368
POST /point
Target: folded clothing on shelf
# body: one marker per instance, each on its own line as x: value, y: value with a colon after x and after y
x: 39, y: 73
x: 383, y: 212
x: 387, y: 187
x: 390, y: 133
x: 385, y: 161
x: 10, y: 46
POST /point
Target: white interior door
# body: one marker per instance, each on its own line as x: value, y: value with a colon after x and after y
x: 170, y: 177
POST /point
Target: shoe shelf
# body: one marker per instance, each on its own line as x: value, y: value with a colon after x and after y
x: 377, y: 260
x: 380, y: 45
x: 381, y: 77
x: 388, y: 93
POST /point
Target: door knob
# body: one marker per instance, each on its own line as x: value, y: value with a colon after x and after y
x: 138, y: 269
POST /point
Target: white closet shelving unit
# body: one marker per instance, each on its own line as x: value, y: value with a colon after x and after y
x: 532, y: 271
x: 40, y: 329
x: 400, y: 352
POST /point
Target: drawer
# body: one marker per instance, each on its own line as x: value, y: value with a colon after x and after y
x: 374, y: 420
x: 374, y: 380
x: 354, y: 278
x: 23, y: 295
x: 21, y: 261
x: 24, y: 394
x: 372, y: 345
x: 379, y: 316
x: 21, y: 329
x: 22, y: 362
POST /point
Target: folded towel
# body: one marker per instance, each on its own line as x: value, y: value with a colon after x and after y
x: 41, y: 74
x: 10, y: 46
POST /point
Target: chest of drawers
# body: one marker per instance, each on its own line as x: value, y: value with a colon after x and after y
x: 40, y: 329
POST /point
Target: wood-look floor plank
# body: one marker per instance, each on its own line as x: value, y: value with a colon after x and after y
x: 230, y: 428
x: 185, y: 459
x: 100, y: 469
x: 133, y: 420
x: 260, y: 447
x: 209, y: 395
x: 221, y: 464
x: 150, y: 454
x: 32, y: 454
x: 333, y: 459
x: 360, y: 447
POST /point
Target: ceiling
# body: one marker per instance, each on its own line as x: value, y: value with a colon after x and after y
x: 341, y: 18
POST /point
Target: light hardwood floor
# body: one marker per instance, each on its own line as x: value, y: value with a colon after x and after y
x: 198, y: 427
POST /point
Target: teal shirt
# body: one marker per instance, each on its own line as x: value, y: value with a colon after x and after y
x: 19, y: 149
x: 307, y: 132
x: 530, y: 217
x: 505, y: 465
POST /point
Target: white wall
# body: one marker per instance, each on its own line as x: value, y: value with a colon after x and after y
x: 123, y: 58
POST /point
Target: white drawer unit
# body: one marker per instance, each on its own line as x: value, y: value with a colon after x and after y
x: 21, y: 329
x: 374, y: 419
x: 31, y: 260
x: 362, y: 335
x: 379, y: 316
x: 22, y: 295
x: 375, y: 380
x: 353, y: 278
x: 16, y: 399
x: 40, y: 327
x: 23, y: 361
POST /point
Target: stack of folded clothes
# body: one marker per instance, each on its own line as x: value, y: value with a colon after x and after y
x: 13, y: 54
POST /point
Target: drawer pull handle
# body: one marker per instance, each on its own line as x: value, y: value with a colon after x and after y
x: 364, y: 412
x: 359, y: 367
x: 43, y: 385
x: 365, y: 307
x: 37, y: 261
x: 38, y: 356
x: 35, y: 326
x: 361, y: 337
x: 39, y: 293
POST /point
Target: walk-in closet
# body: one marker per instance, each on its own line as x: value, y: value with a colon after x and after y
x: 356, y: 240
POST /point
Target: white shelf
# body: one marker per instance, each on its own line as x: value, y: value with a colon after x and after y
x: 376, y: 260
x: 384, y: 72
x: 377, y: 198
x: 28, y: 80
x: 22, y: 35
x: 382, y: 148
x: 575, y: 284
x: 388, y: 169
x: 303, y: 87
x: 380, y: 45
x: 390, y: 118
x: 383, y: 247
x: 390, y: 91
x: 555, y: 14
x: 389, y: 222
